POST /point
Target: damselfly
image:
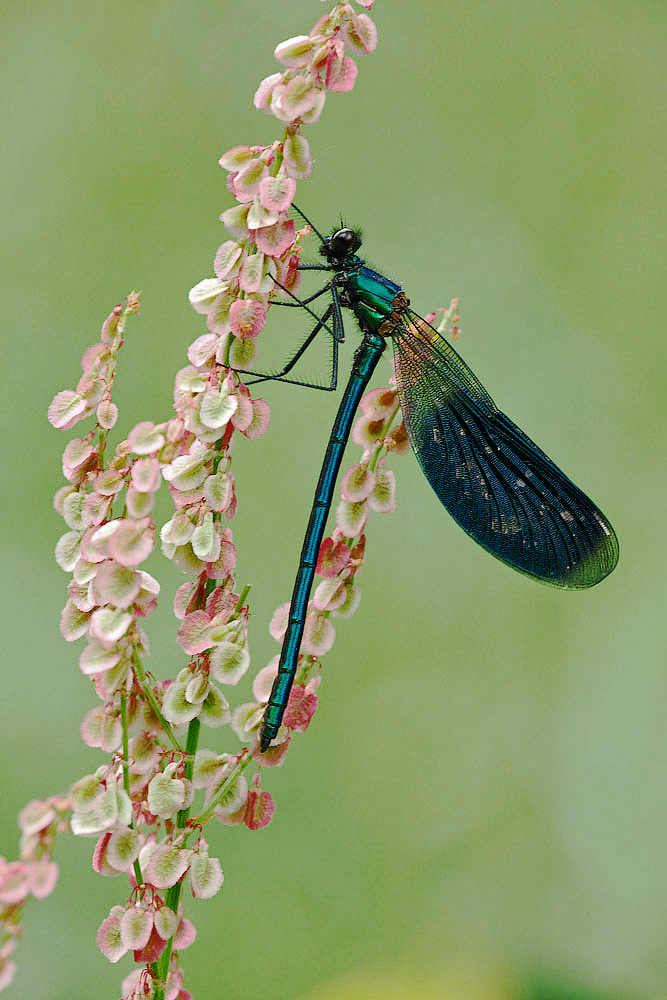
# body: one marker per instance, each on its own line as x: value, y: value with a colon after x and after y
x: 494, y: 481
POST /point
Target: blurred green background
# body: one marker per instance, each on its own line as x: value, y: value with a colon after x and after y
x: 485, y: 784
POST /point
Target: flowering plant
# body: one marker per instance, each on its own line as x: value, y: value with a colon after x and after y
x: 148, y: 804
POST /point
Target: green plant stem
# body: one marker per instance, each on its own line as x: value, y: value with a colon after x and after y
x: 242, y: 599
x: 161, y: 967
x: 126, y: 774
x: 150, y: 698
x: 387, y: 427
x: 126, y: 744
x: 190, y: 751
x: 240, y: 766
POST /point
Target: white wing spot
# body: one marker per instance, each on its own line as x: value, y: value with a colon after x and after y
x: 602, y: 524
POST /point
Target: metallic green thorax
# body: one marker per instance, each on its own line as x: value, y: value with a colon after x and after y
x: 370, y: 295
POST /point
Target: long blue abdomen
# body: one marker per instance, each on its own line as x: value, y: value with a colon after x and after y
x: 366, y: 358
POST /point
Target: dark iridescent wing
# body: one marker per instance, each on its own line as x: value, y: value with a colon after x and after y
x: 494, y: 481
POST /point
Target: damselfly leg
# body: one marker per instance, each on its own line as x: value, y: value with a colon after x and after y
x: 332, y: 314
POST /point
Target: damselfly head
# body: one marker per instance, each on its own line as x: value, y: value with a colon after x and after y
x: 341, y: 243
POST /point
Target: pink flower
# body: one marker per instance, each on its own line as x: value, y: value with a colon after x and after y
x: 152, y: 949
x: 145, y: 438
x: 341, y: 74
x: 360, y: 34
x: 35, y: 816
x: 260, y: 806
x: 67, y: 407
x: 194, y: 634
x: 167, y: 864
x: 262, y: 98
x: 201, y: 630
x: 247, y: 316
x: 109, y: 939
x: 330, y: 594
x: 295, y: 51
x: 276, y: 193
x: 275, y: 240
x: 301, y: 707
x: 358, y: 482
x: 239, y: 157
x: 244, y: 184
x: 295, y: 99
x: 332, y: 558
x: 319, y: 633
x: 227, y: 258
x: 14, y: 882
x: 136, y: 926
x: 297, y: 158
x: 351, y: 516
x: 206, y: 876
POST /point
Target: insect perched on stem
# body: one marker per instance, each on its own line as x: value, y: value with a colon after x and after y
x: 494, y: 481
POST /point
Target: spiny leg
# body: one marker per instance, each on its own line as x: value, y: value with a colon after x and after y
x: 337, y: 334
x: 279, y: 376
x: 300, y: 303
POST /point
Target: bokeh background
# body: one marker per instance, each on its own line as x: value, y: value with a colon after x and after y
x: 480, y: 807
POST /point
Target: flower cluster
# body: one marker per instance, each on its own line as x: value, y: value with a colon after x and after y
x: 137, y: 806
x: 450, y: 322
x: 34, y: 875
x: 261, y: 260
